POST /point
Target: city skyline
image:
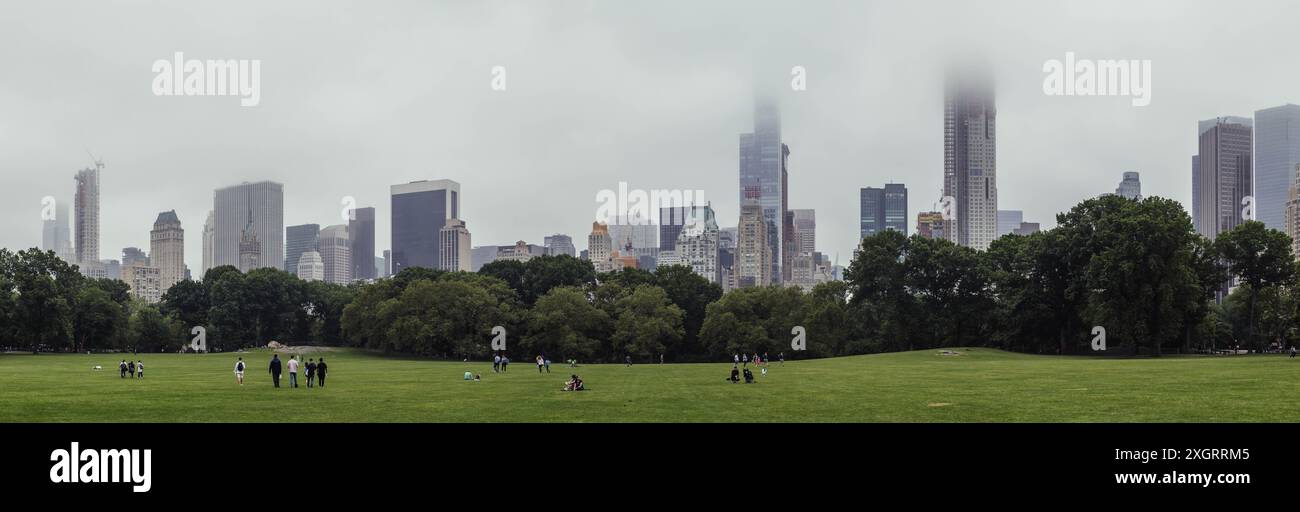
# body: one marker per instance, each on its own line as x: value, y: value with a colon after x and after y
x: 320, y: 123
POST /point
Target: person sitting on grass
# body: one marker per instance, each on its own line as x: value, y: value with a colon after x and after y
x: 574, y: 384
x: 749, y: 376
x: 735, y: 375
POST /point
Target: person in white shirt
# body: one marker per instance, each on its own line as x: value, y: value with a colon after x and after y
x: 239, y: 371
x: 293, y: 372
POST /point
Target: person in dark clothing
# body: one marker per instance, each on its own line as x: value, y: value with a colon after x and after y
x: 275, y: 369
x: 311, y: 371
x: 749, y: 376
x: 130, y: 368
x: 121, y: 367
x: 321, y: 370
x: 735, y: 375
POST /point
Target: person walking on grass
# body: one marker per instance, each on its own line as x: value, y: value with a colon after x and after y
x: 275, y: 369
x: 744, y: 360
x: 293, y: 372
x: 496, y: 363
x: 311, y: 371
x: 139, y: 369
x: 540, y: 363
x: 121, y: 368
x: 239, y: 371
x: 1292, y: 351
x: 505, y: 362
x: 627, y: 359
x: 130, y: 368
x: 321, y: 370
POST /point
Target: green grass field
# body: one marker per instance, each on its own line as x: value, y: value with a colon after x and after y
x: 981, y: 385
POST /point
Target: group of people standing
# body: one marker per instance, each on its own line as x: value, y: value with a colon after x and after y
x: 315, y: 370
x: 499, y: 363
x: 133, y: 368
x: 742, y: 360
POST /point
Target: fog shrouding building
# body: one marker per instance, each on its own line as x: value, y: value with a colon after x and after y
x: 882, y: 208
x: 86, y: 216
x: 764, y: 175
x: 1224, y: 173
x: 298, y: 240
x: 560, y: 245
x: 1130, y: 187
x: 167, y: 249
x: 420, y: 209
x: 56, y: 235
x: 455, y: 249
x: 254, y: 207
x: 361, y: 232
x: 600, y: 247
x: 335, y: 247
x: 970, y: 158
x: 1277, y: 152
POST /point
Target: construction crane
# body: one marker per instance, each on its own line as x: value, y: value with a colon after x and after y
x: 99, y: 162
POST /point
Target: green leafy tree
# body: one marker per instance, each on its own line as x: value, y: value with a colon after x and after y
x: 647, y: 323
x: 565, y: 324
x: 1260, y: 258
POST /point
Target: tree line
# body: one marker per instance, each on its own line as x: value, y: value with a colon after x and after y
x: 1135, y: 268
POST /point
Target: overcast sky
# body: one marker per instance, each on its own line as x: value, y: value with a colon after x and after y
x: 359, y: 96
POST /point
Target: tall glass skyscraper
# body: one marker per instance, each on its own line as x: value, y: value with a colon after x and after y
x: 298, y: 240
x: 257, y: 205
x: 361, y: 233
x: 420, y: 210
x: 763, y: 168
x: 970, y: 158
x: 882, y: 208
x: 1277, y: 151
x: 1224, y: 174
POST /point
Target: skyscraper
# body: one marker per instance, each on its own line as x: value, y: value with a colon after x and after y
x: 896, y: 207
x: 881, y: 209
x: 250, y: 247
x: 1225, y: 173
x: 310, y: 266
x: 930, y: 224
x: 1009, y: 220
x: 753, y: 251
x: 209, y: 243
x: 388, y: 263
x: 56, y: 236
x: 167, y: 250
x: 1196, y: 192
x: 420, y: 209
x: 557, y: 245
x: 1277, y: 151
x: 1130, y: 187
x: 763, y: 171
x: 87, y: 215
x: 600, y: 247
x: 298, y: 240
x: 455, y: 249
x: 970, y: 158
x: 1291, y: 223
x: 257, y: 208
x: 361, y: 231
x: 805, y: 230
x: 335, y: 249
x: 697, y: 243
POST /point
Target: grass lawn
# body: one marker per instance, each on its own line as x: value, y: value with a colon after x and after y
x: 980, y: 385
